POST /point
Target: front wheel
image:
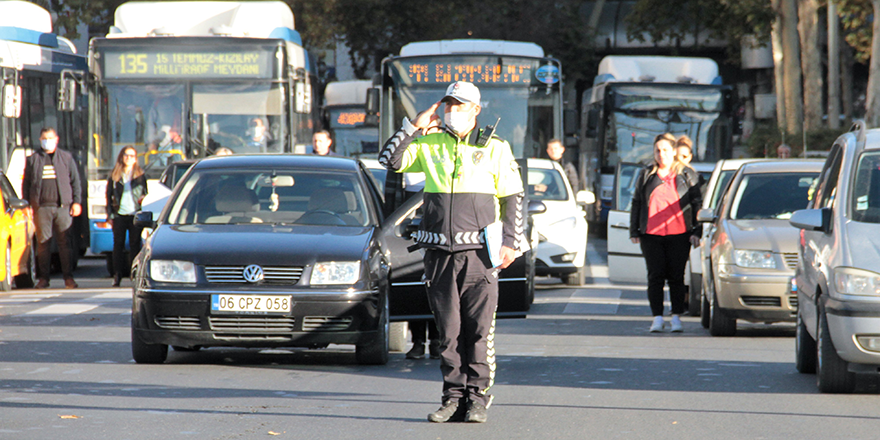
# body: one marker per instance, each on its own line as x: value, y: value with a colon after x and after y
x: 805, y: 348
x: 832, y: 375
x: 719, y: 323
x: 144, y: 353
x: 694, y: 294
x: 28, y: 279
x: 375, y: 351
x: 6, y: 283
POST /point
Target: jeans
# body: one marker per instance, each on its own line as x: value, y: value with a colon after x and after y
x: 665, y: 258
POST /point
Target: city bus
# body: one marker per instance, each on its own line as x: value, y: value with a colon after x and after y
x: 33, y: 60
x: 520, y: 89
x: 354, y: 135
x: 633, y: 99
x: 183, y: 80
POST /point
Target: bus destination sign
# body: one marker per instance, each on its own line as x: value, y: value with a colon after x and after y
x: 447, y: 72
x: 213, y: 64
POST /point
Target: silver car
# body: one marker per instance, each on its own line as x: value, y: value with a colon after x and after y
x: 753, y: 249
x: 838, y: 273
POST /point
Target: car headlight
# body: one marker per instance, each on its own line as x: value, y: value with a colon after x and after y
x: 756, y: 259
x: 173, y: 271
x: 335, y: 272
x: 566, y: 223
x: 849, y: 281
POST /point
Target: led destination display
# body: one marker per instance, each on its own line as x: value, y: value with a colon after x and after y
x: 150, y: 63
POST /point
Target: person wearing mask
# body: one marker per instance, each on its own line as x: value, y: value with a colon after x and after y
x: 469, y: 185
x: 52, y: 187
x: 555, y: 151
x: 321, y: 143
x: 663, y: 223
x: 126, y: 189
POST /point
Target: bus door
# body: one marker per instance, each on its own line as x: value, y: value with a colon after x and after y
x: 625, y: 260
x: 10, y: 109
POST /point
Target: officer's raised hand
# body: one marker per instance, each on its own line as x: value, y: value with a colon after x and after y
x: 426, y: 118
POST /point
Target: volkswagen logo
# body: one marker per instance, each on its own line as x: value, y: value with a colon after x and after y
x: 253, y: 273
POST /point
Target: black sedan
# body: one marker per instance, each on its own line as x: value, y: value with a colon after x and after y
x: 265, y: 251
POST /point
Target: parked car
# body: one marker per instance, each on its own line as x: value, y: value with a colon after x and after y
x: 625, y: 260
x: 753, y: 250
x: 562, y: 228
x: 18, y: 233
x: 838, y: 271
x: 715, y: 185
x: 265, y: 251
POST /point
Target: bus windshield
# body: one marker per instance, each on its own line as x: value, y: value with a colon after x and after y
x: 508, y: 87
x: 643, y: 111
x: 153, y: 119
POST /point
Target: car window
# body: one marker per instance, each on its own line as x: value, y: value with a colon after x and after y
x: 275, y: 197
x: 723, y: 179
x: 828, y: 186
x: 546, y: 184
x: 865, y: 200
x: 771, y: 195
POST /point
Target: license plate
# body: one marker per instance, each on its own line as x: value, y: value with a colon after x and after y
x: 251, y: 303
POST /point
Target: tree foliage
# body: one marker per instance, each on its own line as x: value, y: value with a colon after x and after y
x: 856, y: 17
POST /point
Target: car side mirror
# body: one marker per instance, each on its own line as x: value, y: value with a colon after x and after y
x: 585, y: 197
x: 812, y: 219
x: 592, y: 129
x: 144, y: 219
x: 410, y: 227
x: 537, y: 207
x: 706, y: 215
x: 18, y: 204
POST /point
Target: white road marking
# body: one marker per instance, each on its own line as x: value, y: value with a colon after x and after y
x: 63, y: 309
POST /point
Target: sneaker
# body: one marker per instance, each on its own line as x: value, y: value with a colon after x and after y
x: 42, y: 284
x: 417, y: 352
x: 476, y: 413
x: 657, y: 325
x: 675, y: 326
x: 69, y: 283
x: 434, y: 349
x: 442, y: 415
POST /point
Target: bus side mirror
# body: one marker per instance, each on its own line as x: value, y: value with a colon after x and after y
x: 11, y: 101
x: 372, y: 103
x: 66, y: 94
x: 592, y: 122
x: 569, y: 122
x: 302, y: 97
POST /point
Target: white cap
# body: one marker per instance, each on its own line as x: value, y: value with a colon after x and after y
x: 463, y: 91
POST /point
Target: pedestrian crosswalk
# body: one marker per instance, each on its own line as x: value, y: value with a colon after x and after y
x: 66, y: 303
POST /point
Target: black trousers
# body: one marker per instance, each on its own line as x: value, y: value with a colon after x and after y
x: 122, y: 225
x: 53, y: 221
x: 665, y: 258
x: 463, y: 293
x: 419, y: 328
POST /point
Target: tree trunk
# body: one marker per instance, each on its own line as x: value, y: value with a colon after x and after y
x: 833, y: 67
x: 808, y: 24
x: 778, y: 66
x: 872, y: 106
x: 794, y: 109
x: 847, y: 61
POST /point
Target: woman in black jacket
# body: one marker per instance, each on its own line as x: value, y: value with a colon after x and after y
x: 126, y: 188
x: 663, y: 222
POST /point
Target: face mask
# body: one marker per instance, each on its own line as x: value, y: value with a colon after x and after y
x: 457, y: 121
x: 49, y: 144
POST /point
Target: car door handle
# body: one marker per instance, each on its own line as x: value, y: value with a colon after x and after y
x: 620, y: 226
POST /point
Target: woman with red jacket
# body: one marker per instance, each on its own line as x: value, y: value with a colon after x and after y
x: 663, y: 222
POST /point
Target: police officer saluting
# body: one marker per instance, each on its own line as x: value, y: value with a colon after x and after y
x: 468, y: 179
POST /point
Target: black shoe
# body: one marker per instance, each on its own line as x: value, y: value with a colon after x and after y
x: 434, y: 349
x: 417, y: 352
x: 476, y: 413
x: 116, y: 282
x: 445, y: 413
x: 42, y: 284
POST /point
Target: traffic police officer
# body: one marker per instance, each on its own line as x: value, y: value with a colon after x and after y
x: 470, y: 181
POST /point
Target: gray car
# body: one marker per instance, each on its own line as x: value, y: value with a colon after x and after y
x: 838, y: 272
x: 753, y: 248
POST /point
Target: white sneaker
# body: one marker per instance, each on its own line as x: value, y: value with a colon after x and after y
x: 657, y: 325
x: 676, y: 324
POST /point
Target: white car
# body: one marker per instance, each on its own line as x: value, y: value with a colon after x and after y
x: 562, y: 228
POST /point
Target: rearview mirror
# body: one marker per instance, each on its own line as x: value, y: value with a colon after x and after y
x: 592, y: 122
x: 372, y: 103
x: 537, y: 207
x: 144, y: 219
x: 585, y: 197
x: 11, y: 101
x: 812, y: 219
x: 706, y: 215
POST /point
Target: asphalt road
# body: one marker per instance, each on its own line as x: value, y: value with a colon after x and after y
x: 581, y: 366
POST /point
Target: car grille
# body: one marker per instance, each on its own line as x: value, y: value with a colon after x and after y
x: 178, y: 322
x: 235, y: 274
x: 791, y: 259
x: 326, y: 323
x: 761, y: 301
x: 793, y: 301
x: 259, y: 324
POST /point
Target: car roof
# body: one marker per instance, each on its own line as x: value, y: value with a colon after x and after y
x: 783, y: 166
x: 702, y: 167
x: 327, y: 163
x: 371, y: 163
x: 545, y: 164
x: 734, y: 164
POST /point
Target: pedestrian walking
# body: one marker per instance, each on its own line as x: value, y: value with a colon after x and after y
x: 52, y: 187
x: 126, y: 189
x: 469, y: 178
x: 663, y: 222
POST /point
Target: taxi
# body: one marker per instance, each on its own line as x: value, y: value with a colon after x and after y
x: 17, y: 231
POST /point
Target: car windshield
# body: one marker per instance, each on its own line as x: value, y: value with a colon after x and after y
x: 866, y: 189
x: 546, y: 184
x: 771, y: 195
x: 280, y: 196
